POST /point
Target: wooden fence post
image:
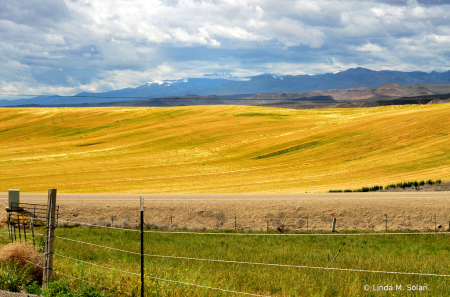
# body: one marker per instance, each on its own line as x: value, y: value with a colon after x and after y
x: 49, y: 238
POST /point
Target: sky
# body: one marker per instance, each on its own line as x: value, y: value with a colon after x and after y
x: 69, y: 46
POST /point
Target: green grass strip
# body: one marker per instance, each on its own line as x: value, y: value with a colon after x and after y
x: 287, y: 150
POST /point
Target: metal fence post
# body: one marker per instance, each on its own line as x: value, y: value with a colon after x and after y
x: 10, y: 228
x: 18, y: 224
x: 49, y: 238
x: 142, y: 246
x: 24, y: 228
x: 333, y: 225
x: 32, y: 230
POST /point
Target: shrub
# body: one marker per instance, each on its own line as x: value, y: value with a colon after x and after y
x: 34, y: 288
x: 88, y: 291
x: 58, y: 288
x: 61, y: 288
x: 22, y: 254
x: 14, y: 277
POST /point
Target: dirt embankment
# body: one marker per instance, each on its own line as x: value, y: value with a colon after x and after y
x: 412, y: 210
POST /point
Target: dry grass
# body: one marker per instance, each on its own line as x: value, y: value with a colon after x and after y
x: 23, y: 254
x: 217, y: 149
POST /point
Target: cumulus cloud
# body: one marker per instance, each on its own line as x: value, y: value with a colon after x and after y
x: 369, y: 47
x: 78, y: 45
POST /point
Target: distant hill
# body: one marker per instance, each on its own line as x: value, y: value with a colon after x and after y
x: 383, y: 91
x: 187, y: 100
x: 221, y: 149
x: 265, y: 83
x: 351, y: 78
x: 359, y: 97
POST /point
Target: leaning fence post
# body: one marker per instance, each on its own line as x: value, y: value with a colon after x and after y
x: 24, y: 228
x: 49, y: 238
x: 32, y: 231
x: 18, y: 224
x: 142, y: 246
x: 10, y: 227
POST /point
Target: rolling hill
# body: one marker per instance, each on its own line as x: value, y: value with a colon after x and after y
x: 213, y: 149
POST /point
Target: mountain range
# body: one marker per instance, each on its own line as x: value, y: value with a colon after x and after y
x: 227, y: 87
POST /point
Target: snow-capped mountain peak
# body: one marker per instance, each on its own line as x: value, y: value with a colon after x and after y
x: 166, y: 82
x: 219, y: 75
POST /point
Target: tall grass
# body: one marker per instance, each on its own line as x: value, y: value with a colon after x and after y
x: 403, y: 253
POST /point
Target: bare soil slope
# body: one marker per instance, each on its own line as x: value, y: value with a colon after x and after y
x: 354, y: 211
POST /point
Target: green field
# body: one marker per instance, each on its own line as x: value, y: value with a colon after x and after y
x: 427, y: 254
x: 216, y: 149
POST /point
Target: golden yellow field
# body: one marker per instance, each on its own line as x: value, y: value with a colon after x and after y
x: 220, y: 149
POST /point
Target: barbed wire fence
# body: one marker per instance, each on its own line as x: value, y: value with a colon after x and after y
x: 223, y: 261
x: 47, y: 236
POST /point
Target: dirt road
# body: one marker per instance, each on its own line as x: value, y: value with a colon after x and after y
x: 366, y: 211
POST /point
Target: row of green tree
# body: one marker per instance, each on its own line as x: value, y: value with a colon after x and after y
x: 391, y: 186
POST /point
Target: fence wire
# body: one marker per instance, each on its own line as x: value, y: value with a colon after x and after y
x: 80, y: 279
x: 229, y: 261
x: 160, y: 279
x: 97, y: 245
x: 94, y: 284
x: 205, y: 287
x: 298, y: 234
x: 262, y: 234
x: 100, y: 226
x: 243, y: 262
